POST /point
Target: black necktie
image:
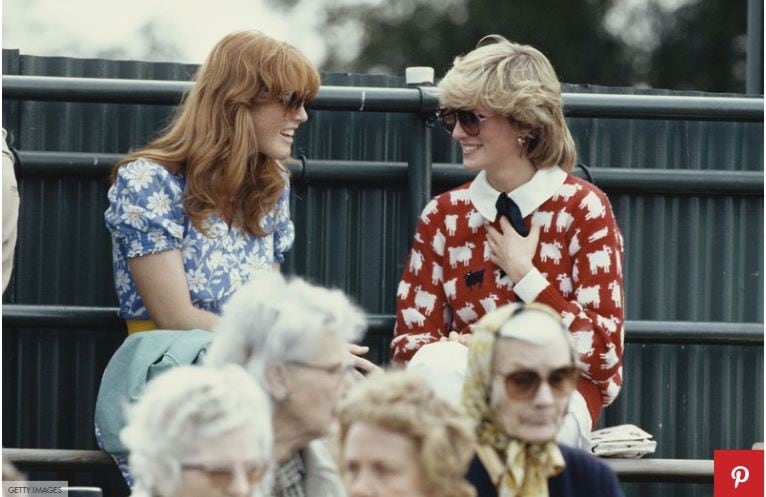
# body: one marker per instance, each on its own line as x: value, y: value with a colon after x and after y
x: 508, y: 208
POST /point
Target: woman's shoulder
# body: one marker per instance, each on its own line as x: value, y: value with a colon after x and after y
x: 142, y: 173
x: 578, y: 188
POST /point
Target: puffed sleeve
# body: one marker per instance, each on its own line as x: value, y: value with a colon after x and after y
x: 284, y: 230
x: 145, y: 214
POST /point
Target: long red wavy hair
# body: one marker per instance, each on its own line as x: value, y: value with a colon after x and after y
x: 212, y: 141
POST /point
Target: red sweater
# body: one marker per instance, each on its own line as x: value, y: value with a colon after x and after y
x: 449, y: 281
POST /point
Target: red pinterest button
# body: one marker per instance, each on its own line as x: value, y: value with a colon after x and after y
x: 738, y: 473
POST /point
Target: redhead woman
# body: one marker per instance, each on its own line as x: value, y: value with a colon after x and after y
x: 524, y: 230
x: 204, y: 208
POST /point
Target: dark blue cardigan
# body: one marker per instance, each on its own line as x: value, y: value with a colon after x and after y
x: 584, y: 475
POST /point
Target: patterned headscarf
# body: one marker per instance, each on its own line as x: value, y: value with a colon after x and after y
x: 527, y: 466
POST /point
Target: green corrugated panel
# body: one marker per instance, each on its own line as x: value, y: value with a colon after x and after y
x: 689, y: 257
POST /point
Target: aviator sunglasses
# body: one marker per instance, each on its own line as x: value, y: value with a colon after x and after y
x: 470, y: 121
x: 523, y: 385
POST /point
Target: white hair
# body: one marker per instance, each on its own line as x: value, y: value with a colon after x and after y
x: 272, y: 320
x: 188, y: 407
x: 538, y: 325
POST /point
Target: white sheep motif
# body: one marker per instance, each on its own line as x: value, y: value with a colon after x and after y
x: 475, y: 220
x: 565, y: 284
x: 550, y: 251
x: 543, y: 219
x: 598, y: 235
x: 460, y: 196
x: 413, y: 316
x: 424, y: 300
x: 563, y: 221
x: 437, y: 274
x: 489, y: 303
x: 600, y: 259
x: 583, y: 341
x: 429, y: 209
x: 594, y: 206
x: 566, y: 191
x: 416, y: 262
x: 438, y: 242
x: 450, y: 222
x: 589, y: 295
x: 461, y: 254
x: 609, y: 324
x: 614, y: 286
x: 467, y: 313
x: 574, y: 243
x: 403, y: 290
x: 609, y: 357
x: 450, y: 289
x: 503, y: 280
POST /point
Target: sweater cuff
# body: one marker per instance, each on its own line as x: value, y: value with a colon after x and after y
x: 530, y: 286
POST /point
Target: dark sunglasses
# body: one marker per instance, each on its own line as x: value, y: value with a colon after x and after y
x: 523, y: 385
x: 470, y: 121
x: 292, y: 101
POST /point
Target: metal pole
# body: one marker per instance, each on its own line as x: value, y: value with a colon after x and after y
x: 754, y: 83
x: 419, y: 167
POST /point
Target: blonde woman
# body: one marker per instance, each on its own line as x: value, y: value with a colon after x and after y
x: 399, y: 438
x: 524, y: 230
x: 204, y: 208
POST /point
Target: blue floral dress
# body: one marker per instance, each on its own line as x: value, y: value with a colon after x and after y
x: 146, y: 216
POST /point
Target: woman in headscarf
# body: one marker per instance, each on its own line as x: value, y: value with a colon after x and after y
x: 522, y: 371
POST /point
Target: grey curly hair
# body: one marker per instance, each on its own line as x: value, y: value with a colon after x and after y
x: 187, y: 406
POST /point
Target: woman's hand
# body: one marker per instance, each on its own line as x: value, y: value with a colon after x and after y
x: 510, y: 251
x: 360, y: 363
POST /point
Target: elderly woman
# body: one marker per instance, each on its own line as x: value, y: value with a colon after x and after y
x: 199, y: 432
x: 522, y: 371
x: 291, y: 336
x: 524, y: 230
x: 398, y: 438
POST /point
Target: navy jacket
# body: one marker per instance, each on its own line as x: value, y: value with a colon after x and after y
x: 584, y: 475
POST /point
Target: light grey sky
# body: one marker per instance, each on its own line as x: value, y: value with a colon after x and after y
x: 185, y: 30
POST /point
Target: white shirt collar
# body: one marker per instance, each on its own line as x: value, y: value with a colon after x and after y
x: 529, y: 196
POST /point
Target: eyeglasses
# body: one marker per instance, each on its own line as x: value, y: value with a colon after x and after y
x: 523, y: 385
x: 470, y: 121
x: 333, y: 369
x: 223, y: 476
x: 291, y: 101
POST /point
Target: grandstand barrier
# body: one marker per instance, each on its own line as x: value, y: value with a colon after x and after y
x: 629, y: 470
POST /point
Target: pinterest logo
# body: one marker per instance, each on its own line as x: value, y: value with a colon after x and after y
x: 738, y: 473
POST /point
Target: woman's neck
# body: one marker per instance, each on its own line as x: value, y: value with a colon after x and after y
x: 511, y: 175
x: 289, y: 436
